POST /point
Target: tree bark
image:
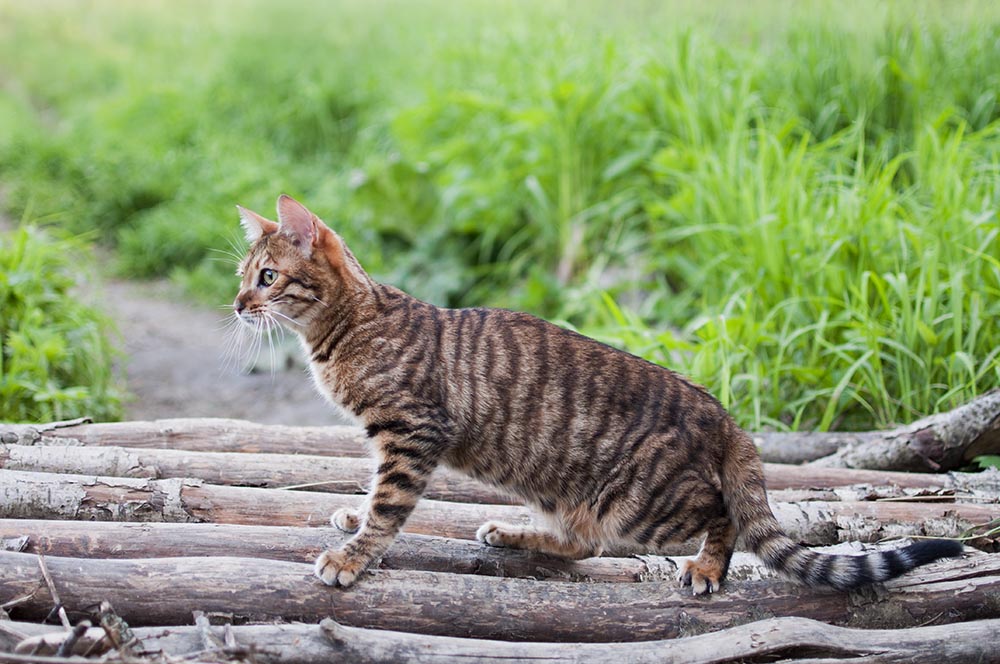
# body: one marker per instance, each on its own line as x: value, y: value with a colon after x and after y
x: 787, y: 476
x: 350, y: 475
x: 44, y: 495
x: 77, y: 497
x: 80, y: 497
x: 786, y: 638
x: 164, y: 591
x: 74, y: 539
x: 940, y: 442
x: 945, y: 441
x: 195, y: 434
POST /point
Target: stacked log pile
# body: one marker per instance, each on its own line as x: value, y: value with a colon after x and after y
x: 193, y: 540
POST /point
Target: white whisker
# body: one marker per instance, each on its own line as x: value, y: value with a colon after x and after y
x: 290, y: 320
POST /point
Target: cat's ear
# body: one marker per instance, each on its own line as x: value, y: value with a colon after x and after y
x: 309, y: 233
x: 254, y: 225
x: 298, y: 222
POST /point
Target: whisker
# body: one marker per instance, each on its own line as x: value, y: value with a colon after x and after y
x: 290, y: 320
x: 235, y: 337
x: 230, y: 253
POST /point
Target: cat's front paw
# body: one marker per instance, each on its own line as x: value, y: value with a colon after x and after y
x: 346, y: 519
x: 335, y: 568
x: 492, y: 533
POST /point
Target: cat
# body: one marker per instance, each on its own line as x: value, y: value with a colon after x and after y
x: 610, y: 450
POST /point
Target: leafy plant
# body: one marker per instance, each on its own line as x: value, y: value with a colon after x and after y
x: 55, y: 353
x: 795, y: 203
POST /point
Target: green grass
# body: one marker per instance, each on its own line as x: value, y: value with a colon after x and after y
x: 55, y: 352
x: 796, y: 203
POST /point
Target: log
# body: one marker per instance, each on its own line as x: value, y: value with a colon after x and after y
x: 79, y: 497
x: 350, y: 475
x: 940, y: 442
x: 89, y: 498
x: 73, y: 539
x: 160, y: 591
x: 786, y: 638
x: 787, y: 476
x: 328, y: 474
x: 945, y: 441
x: 194, y: 434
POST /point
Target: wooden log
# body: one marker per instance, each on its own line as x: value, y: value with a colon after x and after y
x: 786, y: 638
x: 194, y: 434
x: 349, y: 475
x: 78, y: 497
x: 160, y: 591
x: 787, y: 476
x: 89, y: 498
x: 74, y: 539
x: 940, y: 442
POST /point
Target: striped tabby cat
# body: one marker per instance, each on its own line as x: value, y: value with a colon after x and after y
x: 608, y: 448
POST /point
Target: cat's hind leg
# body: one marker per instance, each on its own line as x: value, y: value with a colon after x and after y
x: 705, y: 572
x: 533, y: 538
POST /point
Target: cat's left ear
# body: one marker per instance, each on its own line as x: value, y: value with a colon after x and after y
x: 298, y: 223
x: 254, y: 225
x: 308, y: 232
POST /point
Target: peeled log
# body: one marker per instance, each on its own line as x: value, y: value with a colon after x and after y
x: 326, y: 474
x: 784, y: 638
x: 350, y: 475
x: 161, y: 591
x: 28, y: 495
x: 203, y: 434
x: 940, y: 442
x: 809, y: 476
x: 73, y: 539
x: 78, y: 497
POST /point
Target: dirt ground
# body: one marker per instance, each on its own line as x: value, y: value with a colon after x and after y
x: 174, y: 358
x: 175, y: 363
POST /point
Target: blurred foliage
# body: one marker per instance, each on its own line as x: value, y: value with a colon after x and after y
x: 796, y: 203
x: 55, y: 354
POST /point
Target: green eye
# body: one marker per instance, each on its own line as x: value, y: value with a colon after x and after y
x: 267, y: 277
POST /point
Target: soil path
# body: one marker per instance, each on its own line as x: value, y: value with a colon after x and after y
x: 174, y: 358
x: 175, y: 363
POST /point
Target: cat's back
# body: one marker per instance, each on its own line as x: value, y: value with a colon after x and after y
x: 539, y: 405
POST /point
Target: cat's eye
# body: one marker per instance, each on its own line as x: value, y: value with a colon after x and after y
x: 267, y: 276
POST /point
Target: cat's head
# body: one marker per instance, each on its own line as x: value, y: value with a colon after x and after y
x: 296, y: 271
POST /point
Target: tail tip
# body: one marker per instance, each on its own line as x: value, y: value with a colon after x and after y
x: 925, y: 551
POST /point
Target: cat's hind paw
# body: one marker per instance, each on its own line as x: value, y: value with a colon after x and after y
x: 703, y: 578
x: 346, y: 519
x: 334, y: 568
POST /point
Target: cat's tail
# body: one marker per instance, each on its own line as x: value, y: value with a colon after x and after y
x: 746, y: 500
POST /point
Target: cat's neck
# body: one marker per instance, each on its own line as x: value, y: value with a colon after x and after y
x: 340, y: 317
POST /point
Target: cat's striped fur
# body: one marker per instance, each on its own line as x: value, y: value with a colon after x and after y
x: 611, y: 450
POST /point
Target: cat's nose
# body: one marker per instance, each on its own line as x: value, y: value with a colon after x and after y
x: 239, y: 306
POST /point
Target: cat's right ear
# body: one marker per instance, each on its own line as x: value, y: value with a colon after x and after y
x: 254, y: 225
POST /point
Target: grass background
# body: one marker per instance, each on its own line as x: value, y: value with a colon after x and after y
x: 794, y: 202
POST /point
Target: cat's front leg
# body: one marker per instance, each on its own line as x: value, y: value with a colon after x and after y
x: 399, y: 482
